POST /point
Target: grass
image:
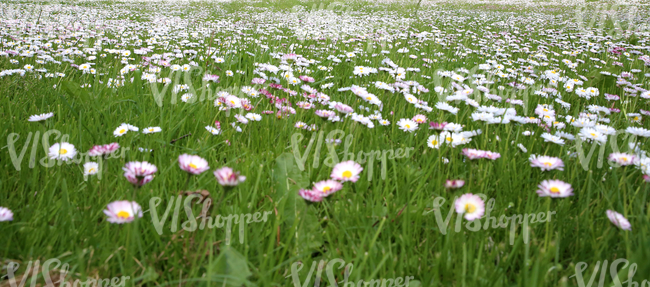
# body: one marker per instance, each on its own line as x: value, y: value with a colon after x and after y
x: 386, y: 227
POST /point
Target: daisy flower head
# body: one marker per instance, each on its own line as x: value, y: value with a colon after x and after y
x: 63, y: 151
x: 139, y: 173
x: 103, y: 149
x: 327, y: 187
x: 553, y: 138
x: 41, y: 117
x: 213, y: 130
x: 619, y: 220
x: 622, y: 158
x: 437, y: 126
x: 6, y: 214
x: 346, y: 171
x: 122, y: 211
x: 121, y: 130
x: 407, y: 125
x: 151, y: 130
x: 433, y: 141
x: 193, y: 164
x: 546, y: 162
x: 420, y: 119
x: 91, y: 168
x: 470, y: 205
x: 228, y: 177
x: 554, y: 188
x: 492, y: 155
x: 471, y: 153
x: 453, y: 184
x: 254, y: 117
x: 311, y: 195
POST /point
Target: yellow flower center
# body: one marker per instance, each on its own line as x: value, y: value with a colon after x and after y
x: 192, y: 165
x: 555, y: 190
x: 63, y: 151
x: 434, y: 142
x: 470, y: 208
x: 624, y: 158
x: 347, y: 174
x: 123, y: 214
x: 92, y: 169
x: 548, y: 164
x: 408, y: 126
x: 636, y: 118
x: 593, y: 134
x: 368, y: 98
x: 122, y: 131
x: 326, y: 189
x: 448, y: 139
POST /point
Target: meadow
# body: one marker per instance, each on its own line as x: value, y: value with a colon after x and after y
x: 302, y: 143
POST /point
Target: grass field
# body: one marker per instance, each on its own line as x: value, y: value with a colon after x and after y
x: 351, y: 132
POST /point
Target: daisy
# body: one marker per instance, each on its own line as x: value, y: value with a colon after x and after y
x: 492, y: 155
x: 327, y: 187
x: 122, y: 211
x: 453, y: 184
x: 227, y: 177
x: 103, y: 149
x: 622, y: 158
x: 139, y: 173
x: 192, y: 163
x: 433, y: 141
x: 233, y: 102
x: 310, y: 195
x: 151, y: 130
x: 592, y: 134
x: 554, y: 188
x: 241, y: 119
x: 63, y: 151
x: 419, y: 119
x: 546, y: 162
x: 41, y: 117
x: 407, y: 125
x: 437, y: 126
x: 473, y: 153
x: 121, y: 130
x: 619, y: 220
x: 551, y: 138
x: 6, y: 214
x: 346, y: 171
x: 91, y: 168
x: 212, y: 130
x: 638, y: 131
x: 472, y: 206
x: 254, y: 117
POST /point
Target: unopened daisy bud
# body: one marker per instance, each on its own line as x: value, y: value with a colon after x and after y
x: 6, y: 214
x: 619, y: 220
